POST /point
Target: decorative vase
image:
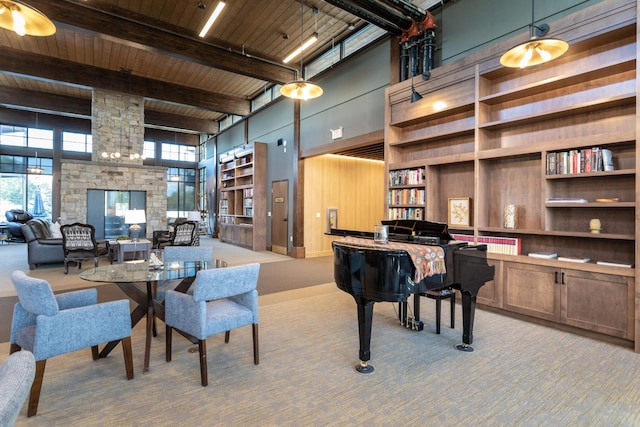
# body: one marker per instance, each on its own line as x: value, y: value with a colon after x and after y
x: 510, y: 216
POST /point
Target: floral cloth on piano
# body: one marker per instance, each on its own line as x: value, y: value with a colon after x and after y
x: 428, y: 260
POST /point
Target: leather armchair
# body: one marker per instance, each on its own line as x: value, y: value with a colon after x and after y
x: 42, y: 247
x: 15, y: 219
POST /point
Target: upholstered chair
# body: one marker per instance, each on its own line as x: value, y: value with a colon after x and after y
x: 16, y: 377
x: 183, y: 234
x: 180, y: 253
x: 79, y: 244
x: 223, y: 299
x: 49, y: 325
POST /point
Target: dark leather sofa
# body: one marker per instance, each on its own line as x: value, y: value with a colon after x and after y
x: 42, y: 247
x: 15, y: 220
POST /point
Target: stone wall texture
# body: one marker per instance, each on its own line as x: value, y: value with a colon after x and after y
x: 117, y: 125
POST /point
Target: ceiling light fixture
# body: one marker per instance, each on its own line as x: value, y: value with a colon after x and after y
x: 302, y: 89
x: 212, y: 18
x: 311, y: 40
x: 24, y: 20
x: 537, y: 50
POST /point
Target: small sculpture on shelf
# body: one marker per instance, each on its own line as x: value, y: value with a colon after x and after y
x: 595, y: 226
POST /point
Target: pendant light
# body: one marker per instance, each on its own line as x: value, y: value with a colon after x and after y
x: 301, y: 89
x: 537, y: 50
x: 37, y: 168
x: 24, y: 20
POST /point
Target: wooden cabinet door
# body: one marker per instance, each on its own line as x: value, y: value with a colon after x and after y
x: 598, y: 302
x: 532, y: 290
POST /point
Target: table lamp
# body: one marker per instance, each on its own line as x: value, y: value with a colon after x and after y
x: 135, y: 217
x: 194, y: 216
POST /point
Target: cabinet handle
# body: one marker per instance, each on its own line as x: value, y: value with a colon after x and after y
x: 563, y: 278
x: 555, y: 280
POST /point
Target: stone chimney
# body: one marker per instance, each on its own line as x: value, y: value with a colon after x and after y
x: 117, y: 125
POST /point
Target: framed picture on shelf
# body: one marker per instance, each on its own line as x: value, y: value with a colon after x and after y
x: 459, y: 211
x: 332, y: 219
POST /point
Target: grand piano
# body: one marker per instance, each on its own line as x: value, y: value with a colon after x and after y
x: 373, y: 273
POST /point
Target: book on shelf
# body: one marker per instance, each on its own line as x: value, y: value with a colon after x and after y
x: 583, y: 160
x: 495, y: 244
x: 566, y: 200
x: 615, y: 264
x: 573, y: 259
x: 544, y: 255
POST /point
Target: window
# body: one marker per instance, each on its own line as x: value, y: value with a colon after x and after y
x: 368, y: 35
x: 79, y: 142
x: 325, y: 61
x: 181, y: 192
x: 202, y: 190
x: 261, y: 100
x: 182, y: 153
x: 13, y: 135
x: 149, y: 150
x: 29, y: 192
x: 18, y: 136
x: 21, y: 164
x: 40, y: 138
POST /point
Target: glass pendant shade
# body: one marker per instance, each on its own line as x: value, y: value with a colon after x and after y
x: 24, y: 20
x: 301, y: 89
x: 533, y: 52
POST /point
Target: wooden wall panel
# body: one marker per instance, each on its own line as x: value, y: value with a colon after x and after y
x: 353, y: 186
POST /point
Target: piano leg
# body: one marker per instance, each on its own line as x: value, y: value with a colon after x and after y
x: 365, y: 320
x: 468, y: 313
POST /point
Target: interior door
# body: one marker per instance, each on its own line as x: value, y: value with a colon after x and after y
x: 279, y: 216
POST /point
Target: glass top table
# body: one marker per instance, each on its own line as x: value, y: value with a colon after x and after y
x: 127, y: 276
x: 143, y: 271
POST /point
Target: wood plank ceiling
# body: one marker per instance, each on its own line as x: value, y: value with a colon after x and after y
x: 151, y: 48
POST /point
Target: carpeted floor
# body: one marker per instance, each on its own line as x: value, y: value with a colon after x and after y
x: 277, y: 273
x: 520, y: 374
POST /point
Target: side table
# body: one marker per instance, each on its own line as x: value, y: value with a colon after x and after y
x: 124, y: 246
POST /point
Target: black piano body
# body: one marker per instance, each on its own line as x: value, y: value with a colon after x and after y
x: 373, y: 275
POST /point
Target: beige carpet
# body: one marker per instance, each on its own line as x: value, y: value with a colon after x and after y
x: 519, y: 374
x: 14, y: 257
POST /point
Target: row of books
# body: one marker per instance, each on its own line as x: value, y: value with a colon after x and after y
x: 248, y: 192
x: 407, y: 196
x: 554, y: 255
x: 496, y: 245
x: 406, y: 177
x: 586, y: 160
x: 406, y: 213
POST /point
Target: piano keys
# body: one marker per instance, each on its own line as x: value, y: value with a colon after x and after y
x: 374, y: 273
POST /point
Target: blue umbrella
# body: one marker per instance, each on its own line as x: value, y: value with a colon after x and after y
x: 38, y: 205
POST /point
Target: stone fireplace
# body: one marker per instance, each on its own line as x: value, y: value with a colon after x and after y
x: 117, y: 125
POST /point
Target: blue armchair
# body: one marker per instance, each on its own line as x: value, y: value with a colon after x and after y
x: 49, y: 325
x: 16, y: 377
x: 223, y: 299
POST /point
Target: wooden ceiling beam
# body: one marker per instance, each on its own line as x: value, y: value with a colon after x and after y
x: 67, y: 72
x: 45, y: 102
x: 154, y: 39
x: 68, y: 106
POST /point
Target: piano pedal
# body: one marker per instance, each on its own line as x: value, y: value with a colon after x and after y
x: 414, y: 325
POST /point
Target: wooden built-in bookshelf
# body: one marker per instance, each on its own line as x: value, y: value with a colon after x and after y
x: 243, y: 192
x: 489, y: 140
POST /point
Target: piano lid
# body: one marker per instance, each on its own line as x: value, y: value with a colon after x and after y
x: 414, y: 227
